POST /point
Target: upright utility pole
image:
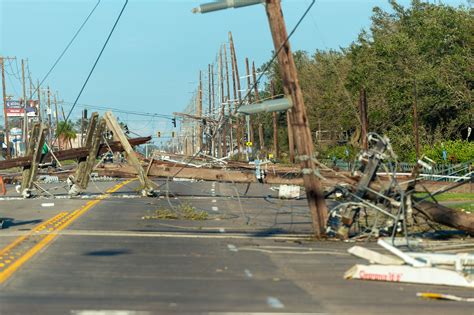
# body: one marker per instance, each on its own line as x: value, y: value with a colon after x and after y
x: 56, y: 111
x: 261, y: 138
x: 275, y: 123
x: 298, y: 117
x: 210, y: 141
x: 291, y: 139
x: 25, y: 102
x: 213, y: 100
x: 4, y: 90
x: 415, y: 122
x: 50, y: 140
x: 40, y: 115
x: 237, y: 93
x: 364, y: 122
x: 229, y: 109
x: 199, y: 113
x: 249, y: 100
x: 223, y: 128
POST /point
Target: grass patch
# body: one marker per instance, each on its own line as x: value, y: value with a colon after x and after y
x: 449, y: 196
x: 184, y: 211
x: 467, y: 207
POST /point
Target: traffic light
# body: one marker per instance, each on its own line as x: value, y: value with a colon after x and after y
x: 173, y: 120
x: 126, y: 129
x: 172, y: 134
x: 159, y: 134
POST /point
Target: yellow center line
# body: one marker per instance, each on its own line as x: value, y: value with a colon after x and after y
x: 67, y: 220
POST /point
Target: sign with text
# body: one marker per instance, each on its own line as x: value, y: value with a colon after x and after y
x: 15, y: 108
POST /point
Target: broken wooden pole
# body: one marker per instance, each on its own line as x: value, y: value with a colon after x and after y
x: 88, y: 143
x: 85, y: 167
x: 34, y: 151
x: 146, y: 184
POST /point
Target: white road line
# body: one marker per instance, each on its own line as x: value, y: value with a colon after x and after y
x: 232, y: 248
x: 251, y: 235
x: 215, y: 209
x: 108, y: 312
x: 248, y: 273
x: 274, y: 302
x: 214, y: 200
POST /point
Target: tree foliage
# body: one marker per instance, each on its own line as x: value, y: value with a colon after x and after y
x: 425, y: 48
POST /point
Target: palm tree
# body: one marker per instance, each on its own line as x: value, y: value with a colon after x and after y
x: 65, y: 132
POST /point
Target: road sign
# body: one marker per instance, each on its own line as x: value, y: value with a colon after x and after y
x: 249, y: 143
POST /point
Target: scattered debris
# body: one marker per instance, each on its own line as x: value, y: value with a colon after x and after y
x: 416, y: 267
x: 441, y: 296
x: 183, y: 211
x: 289, y: 192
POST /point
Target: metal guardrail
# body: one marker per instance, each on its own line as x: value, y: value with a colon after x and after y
x: 439, y: 172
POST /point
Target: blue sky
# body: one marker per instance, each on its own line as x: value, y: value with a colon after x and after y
x: 153, y: 59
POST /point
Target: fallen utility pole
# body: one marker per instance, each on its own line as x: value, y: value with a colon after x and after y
x: 116, y: 146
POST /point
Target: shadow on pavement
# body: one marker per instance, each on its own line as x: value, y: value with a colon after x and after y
x: 110, y: 252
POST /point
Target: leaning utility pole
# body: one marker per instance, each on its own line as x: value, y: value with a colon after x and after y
x: 25, y: 114
x: 4, y: 90
x: 237, y: 93
x: 229, y: 109
x: 261, y: 138
x: 298, y: 117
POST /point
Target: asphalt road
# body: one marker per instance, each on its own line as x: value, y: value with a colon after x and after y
x: 106, y: 254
